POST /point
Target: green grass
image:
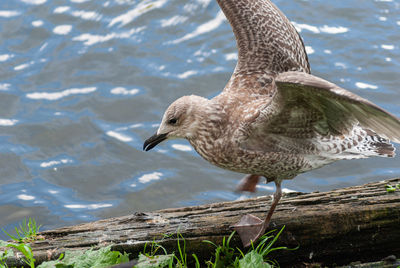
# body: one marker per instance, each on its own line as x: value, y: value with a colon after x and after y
x: 148, y: 257
x: 224, y: 255
x: 27, y: 231
x: 392, y: 188
x: 153, y: 254
x: 27, y: 251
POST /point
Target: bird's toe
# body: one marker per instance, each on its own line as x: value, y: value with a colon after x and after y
x: 249, y: 228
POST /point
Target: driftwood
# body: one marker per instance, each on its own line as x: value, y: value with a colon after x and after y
x: 337, y: 227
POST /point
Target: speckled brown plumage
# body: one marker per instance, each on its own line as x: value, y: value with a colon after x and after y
x: 266, y: 39
x: 273, y: 118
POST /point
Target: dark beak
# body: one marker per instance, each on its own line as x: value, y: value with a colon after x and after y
x: 151, y: 142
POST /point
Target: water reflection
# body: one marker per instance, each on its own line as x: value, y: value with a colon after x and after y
x: 59, y: 95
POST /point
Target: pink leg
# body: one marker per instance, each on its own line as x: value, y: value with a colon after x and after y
x: 248, y: 183
x: 250, y: 228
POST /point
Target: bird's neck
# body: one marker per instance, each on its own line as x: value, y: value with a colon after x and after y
x: 210, y: 129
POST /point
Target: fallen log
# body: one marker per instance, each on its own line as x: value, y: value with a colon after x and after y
x: 359, y: 223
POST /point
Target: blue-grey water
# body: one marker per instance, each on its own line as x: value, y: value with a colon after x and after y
x: 84, y: 82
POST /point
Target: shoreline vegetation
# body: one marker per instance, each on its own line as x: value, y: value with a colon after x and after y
x: 349, y: 226
x: 153, y: 254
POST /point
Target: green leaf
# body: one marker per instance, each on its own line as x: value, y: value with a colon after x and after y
x: 209, y: 242
x: 197, y: 263
x: 390, y: 188
x: 5, y: 254
x: 267, y: 249
x: 27, y: 251
x: 157, y: 261
x: 103, y: 257
x: 253, y: 260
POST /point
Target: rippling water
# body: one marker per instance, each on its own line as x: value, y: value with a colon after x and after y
x: 84, y: 82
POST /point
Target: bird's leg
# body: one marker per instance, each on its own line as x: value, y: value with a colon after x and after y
x: 250, y: 228
x: 248, y: 183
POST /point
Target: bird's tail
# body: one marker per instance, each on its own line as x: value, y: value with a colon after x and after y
x: 359, y: 143
x: 378, y: 145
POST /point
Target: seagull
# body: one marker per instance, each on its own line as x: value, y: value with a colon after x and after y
x: 274, y: 119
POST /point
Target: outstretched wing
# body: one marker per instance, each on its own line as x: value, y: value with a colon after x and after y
x: 306, y: 108
x: 266, y: 39
x: 339, y: 107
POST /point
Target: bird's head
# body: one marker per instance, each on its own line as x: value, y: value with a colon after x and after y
x: 180, y: 120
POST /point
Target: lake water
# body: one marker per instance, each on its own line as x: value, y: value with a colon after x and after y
x: 84, y: 82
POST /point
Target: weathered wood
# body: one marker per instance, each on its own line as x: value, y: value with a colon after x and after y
x: 340, y: 226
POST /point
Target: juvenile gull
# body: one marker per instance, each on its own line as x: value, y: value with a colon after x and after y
x: 273, y: 118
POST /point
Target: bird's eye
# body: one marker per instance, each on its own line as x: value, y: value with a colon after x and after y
x: 172, y: 121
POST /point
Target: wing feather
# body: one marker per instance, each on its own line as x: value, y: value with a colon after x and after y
x: 266, y: 39
x: 340, y: 107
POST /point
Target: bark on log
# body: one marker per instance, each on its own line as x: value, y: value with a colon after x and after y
x: 337, y: 227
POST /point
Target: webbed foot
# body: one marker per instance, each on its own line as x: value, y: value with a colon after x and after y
x: 248, y: 183
x: 249, y: 228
